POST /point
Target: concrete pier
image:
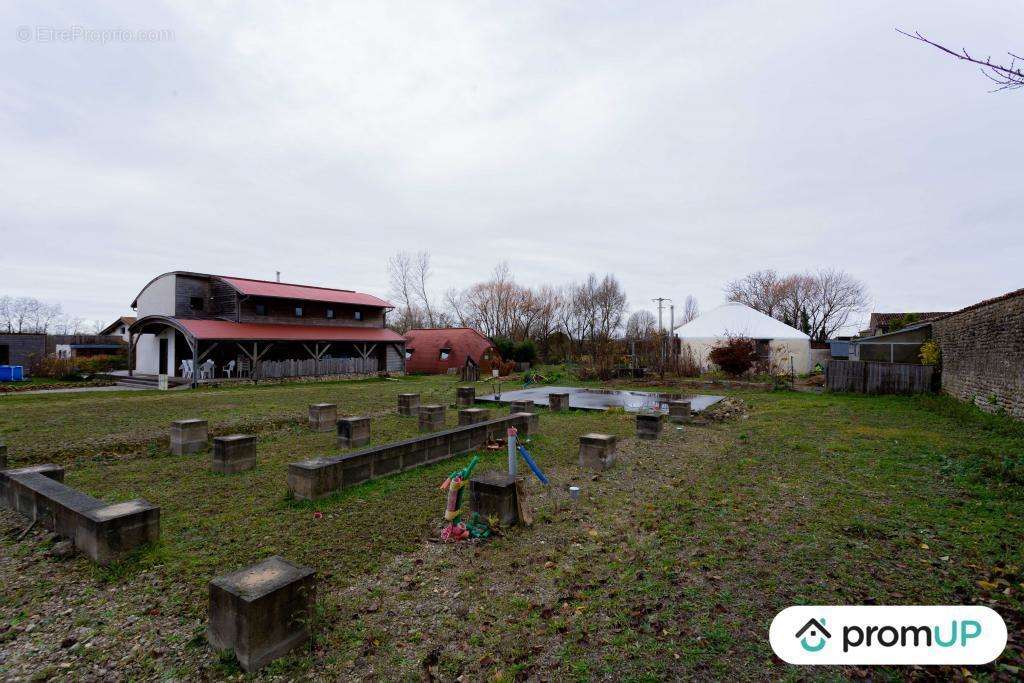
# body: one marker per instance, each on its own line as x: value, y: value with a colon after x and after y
x: 323, y: 416
x: 262, y: 612
x: 188, y: 436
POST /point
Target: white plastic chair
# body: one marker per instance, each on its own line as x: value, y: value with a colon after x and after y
x: 186, y: 369
x: 206, y: 369
x: 229, y: 368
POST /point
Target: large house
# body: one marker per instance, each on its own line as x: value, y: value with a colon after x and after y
x: 200, y: 326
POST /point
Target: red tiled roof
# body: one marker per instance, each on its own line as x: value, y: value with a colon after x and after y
x: 227, y: 330
x: 426, y: 345
x: 882, y: 319
x: 284, y: 290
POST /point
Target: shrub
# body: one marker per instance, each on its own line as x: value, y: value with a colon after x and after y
x: 524, y: 352
x: 734, y: 355
x: 76, y: 368
x: 930, y: 353
x: 506, y: 347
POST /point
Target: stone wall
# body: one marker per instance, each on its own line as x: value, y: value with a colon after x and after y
x: 983, y: 354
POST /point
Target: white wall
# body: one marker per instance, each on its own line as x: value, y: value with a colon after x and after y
x: 781, y: 349
x: 147, y: 353
x: 157, y: 298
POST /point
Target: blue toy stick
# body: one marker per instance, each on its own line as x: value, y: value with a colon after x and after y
x: 533, y: 466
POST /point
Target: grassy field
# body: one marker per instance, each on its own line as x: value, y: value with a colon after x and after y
x: 671, y: 565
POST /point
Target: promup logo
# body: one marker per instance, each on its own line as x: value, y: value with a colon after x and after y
x: 817, y: 630
x: 888, y: 635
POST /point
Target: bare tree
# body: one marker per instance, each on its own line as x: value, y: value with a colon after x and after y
x: 421, y: 275
x: 690, y: 310
x: 28, y: 315
x: 641, y: 325
x: 1005, y: 76
x: 402, y: 274
x: 819, y: 302
x: 763, y: 291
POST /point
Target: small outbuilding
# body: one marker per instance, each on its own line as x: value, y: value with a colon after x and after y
x: 776, y: 342
x: 442, y: 350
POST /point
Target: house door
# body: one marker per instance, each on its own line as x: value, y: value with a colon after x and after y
x: 5, y: 354
x: 163, y: 357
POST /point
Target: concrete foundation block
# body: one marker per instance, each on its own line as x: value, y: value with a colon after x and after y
x: 525, y: 406
x: 679, y: 411
x: 431, y: 418
x: 470, y: 416
x: 234, y: 453
x: 108, y: 533
x: 262, y: 612
x: 188, y: 436
x: 530, y: 425
x: 7, y: 497
x: 558, y: 402
x: 648, y: 425
x: 493, y: 494
x: 597, y: 451
x: 465, y: 397
x: 323, y: 416
x: 408, y: 404
x: 353, y: 432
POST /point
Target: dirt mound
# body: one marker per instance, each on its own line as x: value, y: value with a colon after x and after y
x: 729, y: 408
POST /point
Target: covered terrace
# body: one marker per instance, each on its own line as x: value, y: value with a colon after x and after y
x: 204, y: 349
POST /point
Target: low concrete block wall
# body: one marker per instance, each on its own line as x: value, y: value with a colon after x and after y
x: 102, y: 531
x: 320, y: 477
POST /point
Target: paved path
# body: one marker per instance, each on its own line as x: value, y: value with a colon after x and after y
x: 74, y: 390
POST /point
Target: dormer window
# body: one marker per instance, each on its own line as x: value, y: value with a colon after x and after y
x: 298, y: 311
x: 445, y: 353
x: 195, y: 303
x: 330, y: 314
x: 261, y: 309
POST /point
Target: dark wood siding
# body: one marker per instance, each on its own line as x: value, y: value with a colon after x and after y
x: 185, y: 288
x: 22, y: 348
x: 225, y: 299
x: 282, y: 311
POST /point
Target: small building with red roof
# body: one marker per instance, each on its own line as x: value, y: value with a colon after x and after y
x: 207, y: 327
x: 442, y: 350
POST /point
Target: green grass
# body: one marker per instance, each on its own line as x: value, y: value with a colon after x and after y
x: 672, y: 565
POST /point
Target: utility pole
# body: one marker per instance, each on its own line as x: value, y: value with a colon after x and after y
x: 672, y: 332
x: 661, y: 326
x: 660, y: 301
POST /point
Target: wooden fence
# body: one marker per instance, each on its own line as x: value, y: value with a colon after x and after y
x: 865, y: 377
x: 308, y: 367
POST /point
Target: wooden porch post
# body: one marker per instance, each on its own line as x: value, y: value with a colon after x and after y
x: 194, y: 343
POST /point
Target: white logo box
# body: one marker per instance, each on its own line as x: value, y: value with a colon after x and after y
x: 836, y: 634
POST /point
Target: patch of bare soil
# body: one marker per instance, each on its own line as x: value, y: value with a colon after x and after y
x: 501, y: 608
x: 61, y: 623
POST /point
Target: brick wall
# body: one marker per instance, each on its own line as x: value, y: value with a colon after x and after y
x: 983, y: 353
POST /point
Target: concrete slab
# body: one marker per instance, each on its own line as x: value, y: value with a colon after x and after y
x: 581, y: 398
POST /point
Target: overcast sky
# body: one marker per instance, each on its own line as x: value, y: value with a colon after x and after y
x: 677, y: 144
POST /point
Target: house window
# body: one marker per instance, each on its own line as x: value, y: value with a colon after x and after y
x: 358, y: 315
x: 445, y: 353
x: 408, y: 354
x: 195, y: 303
x: 261, y: 309
x: 298, y: 311
x: 330, y: 314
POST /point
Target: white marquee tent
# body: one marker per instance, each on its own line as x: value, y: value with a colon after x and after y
x: 775, y: 338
